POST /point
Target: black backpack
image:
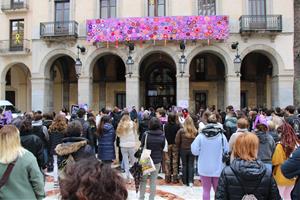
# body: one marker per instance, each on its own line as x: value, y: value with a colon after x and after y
x: 296, y: 125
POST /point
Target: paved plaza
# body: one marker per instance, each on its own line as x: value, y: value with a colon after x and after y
x: 164, y: 190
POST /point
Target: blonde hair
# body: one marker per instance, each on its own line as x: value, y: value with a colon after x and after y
x: 10, y: 144
x: 189, y: 128
x: 246, y: 146
x: 124, y: 125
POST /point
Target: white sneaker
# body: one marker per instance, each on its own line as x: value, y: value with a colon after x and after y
x: 191, y: 184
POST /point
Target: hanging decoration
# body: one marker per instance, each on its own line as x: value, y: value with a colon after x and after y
x: 158, y: 28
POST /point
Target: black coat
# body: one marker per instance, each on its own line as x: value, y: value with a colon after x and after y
x: 291, y: 169
x: 143, y: 127
x: 33, y: 144
x: 156, y: 143
x: 253, y: 175
x: 171, y: 130
x: 55, y: 139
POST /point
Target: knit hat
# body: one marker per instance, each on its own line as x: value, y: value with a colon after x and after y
x: 260, y: 120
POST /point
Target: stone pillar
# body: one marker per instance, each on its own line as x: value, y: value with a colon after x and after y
x: 183, y: 90
x: 42, y: 94
x: 85, y: 91
x: 133, y: 91
x: 233, y: 91
x: 2, y: 89
x: 282, y: 90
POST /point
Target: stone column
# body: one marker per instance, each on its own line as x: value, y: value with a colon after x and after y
x: 133, y: 91
x: 282, y: 90
x: 85, y: 90
x: 2, y: 89
x: 42, y: 94
x: 233, y: 91
x: 183, y: 89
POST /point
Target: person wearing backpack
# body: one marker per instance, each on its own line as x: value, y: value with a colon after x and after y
x: 292, y: 119
x: 247, y: 177
x: 283, y: 150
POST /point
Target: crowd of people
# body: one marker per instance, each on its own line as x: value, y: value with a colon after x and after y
x: 241, y: 154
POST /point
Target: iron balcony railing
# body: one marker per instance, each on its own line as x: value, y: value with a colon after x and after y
x: 56, y: 29
x: 252, y: 23
x: 8, y: 5
x: 14, y: 46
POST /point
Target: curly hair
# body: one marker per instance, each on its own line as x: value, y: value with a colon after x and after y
x: 90, y: 179
x: 59, y: 124
x: 288, y: 139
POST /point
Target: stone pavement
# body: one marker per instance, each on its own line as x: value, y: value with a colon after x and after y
x: 163, y: 192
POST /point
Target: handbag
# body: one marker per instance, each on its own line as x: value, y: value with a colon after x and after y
x: 146, y: 160
x: 7, y: 172
x: 225, y: 154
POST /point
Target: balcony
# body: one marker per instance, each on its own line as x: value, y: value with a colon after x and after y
x: 13, y: 47
x: 59, y: 30
x: 260, y: 23
x: 9, y: 6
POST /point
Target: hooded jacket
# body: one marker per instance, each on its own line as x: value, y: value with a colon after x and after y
x: 209, y: 145
x: 75, y: 146
x: 106, y: 146
x: 266, y: 147
x: 247, y: 177
x: 155, y: 143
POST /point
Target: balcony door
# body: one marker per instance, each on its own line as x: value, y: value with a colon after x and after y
x: 62, y: 17
x: 257, y: 10
x: 206, y: 7
x: 16, y: 42
x: 156, y: 8
x: 17, y: 4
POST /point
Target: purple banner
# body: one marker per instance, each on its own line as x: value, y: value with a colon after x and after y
x: 158, y: 28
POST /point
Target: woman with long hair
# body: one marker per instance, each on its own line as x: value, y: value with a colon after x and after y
x: 171, y: 157
x: 25, y: 180
x: 57, y: 132
x: 184, y: 138
x: 127, y: 132
x: 288, y: 143
x: 210, y: 145
x: 247, y: 177
x: 106, y: 140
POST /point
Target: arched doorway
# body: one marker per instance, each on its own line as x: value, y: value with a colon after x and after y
x: 158, y: 81
x: 109, y: 86
x: 207, y: 80
x: 63, y: 83
x: 256, y: 80
x: 18, y: 86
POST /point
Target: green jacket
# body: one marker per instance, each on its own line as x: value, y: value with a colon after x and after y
x: 25, y: 182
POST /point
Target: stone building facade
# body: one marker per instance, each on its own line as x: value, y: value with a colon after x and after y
x: 38, y: 49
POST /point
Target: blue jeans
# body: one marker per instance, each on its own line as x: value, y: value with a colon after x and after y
x: 153, y: 177
x: 128, y: 158
x: 187, y: 159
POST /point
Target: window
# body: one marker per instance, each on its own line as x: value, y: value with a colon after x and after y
x: 62, y: 11
x: 257, y: 7
x: 16, y: 34
x: 121, y: 100
x: 108, y: 9
x: 200, y: 100
x: 206, y: 7
x: 156, y: 8
x: 200, y: 69
x: 15, y: 4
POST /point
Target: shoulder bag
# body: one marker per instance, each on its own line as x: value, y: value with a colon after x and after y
x: 7, y: 172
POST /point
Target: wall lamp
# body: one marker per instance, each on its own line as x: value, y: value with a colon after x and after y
x: 78, y: 63
x: 237, y: 60
x: 182, y: 60
x: 130, y: 61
